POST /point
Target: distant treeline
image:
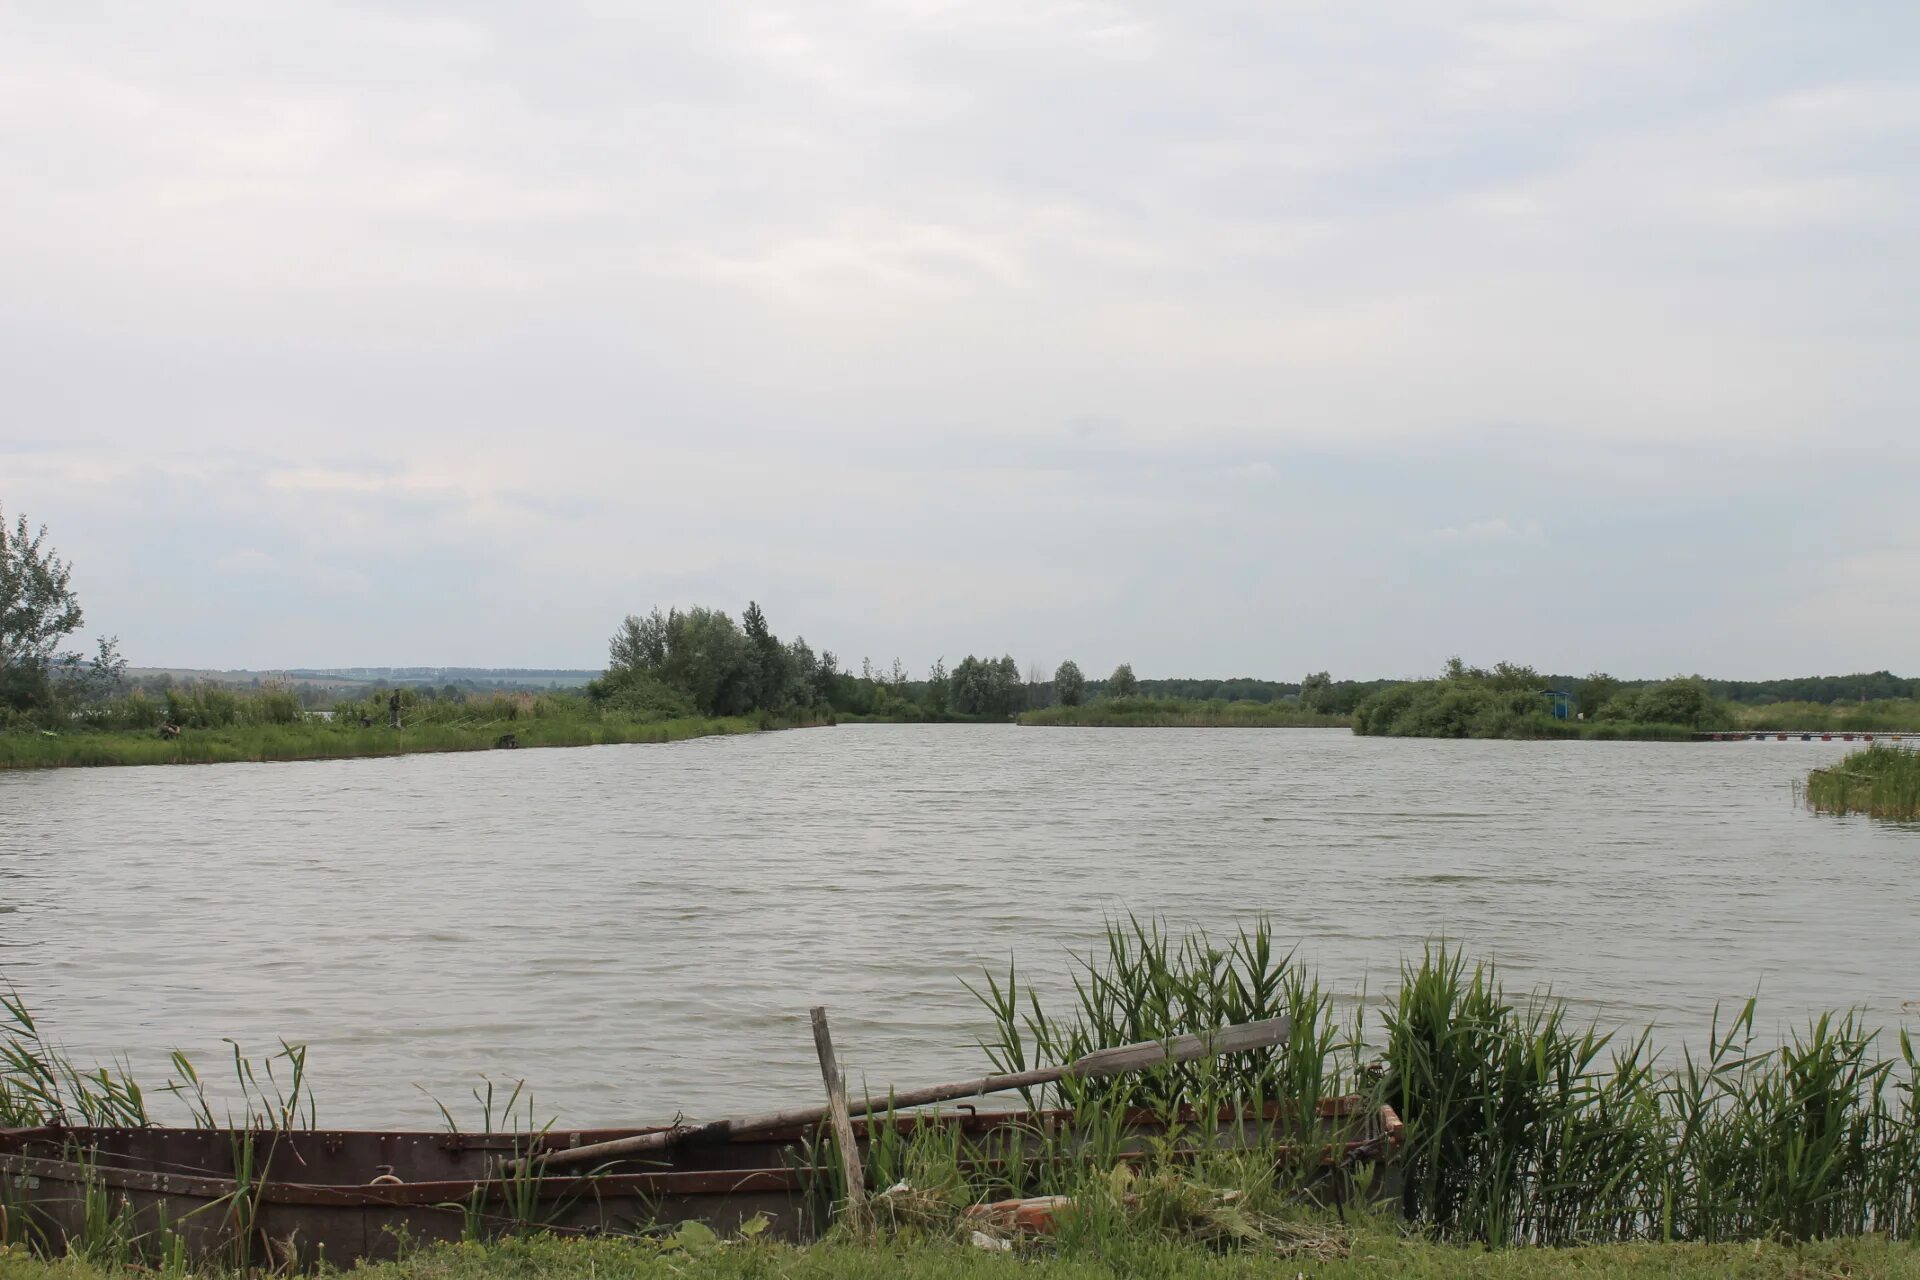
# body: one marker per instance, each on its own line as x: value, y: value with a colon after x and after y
x: 1514, y: 701
x: 699, y: 661
x: 999, y: 687
x: 1869, y: 687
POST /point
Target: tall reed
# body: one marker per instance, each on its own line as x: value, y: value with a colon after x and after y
x: 1881, y: 781
x: 1521, y: 1125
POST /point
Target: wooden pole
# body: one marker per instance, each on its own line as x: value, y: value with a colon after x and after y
x: 850, y: 1163
x: 1238, y: 1038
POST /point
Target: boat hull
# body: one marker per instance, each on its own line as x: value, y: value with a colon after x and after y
x: 297, y: 1197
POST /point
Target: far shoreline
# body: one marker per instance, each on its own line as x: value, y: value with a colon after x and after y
x: 320, y: 740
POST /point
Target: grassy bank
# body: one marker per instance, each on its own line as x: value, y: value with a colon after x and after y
x: 1372, y: 1255
x: 1883, y: 782
x: 323, y: 740
x: 1181, y: 713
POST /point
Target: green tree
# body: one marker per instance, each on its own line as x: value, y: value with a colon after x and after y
x: 970, y: 689
x: 1684, y: 700
x: 986, y: 686
x: 1008, y: 694
x: 827, y: 678
x: 38, y: 610
x: 700, y: 654
x: 804, y: 685
x: 1594, y: 693
x: 767, y: 675
x: 1068, y: 684
x: 1317, y: 693
x: 939, y: 694
x: 640, y: 644
x: 1122, y: 684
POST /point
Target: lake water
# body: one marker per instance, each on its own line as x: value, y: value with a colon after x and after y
x: 639, y: 930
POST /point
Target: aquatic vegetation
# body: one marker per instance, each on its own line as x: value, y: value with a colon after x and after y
x: 1521, y: 1126
x: 1880, y: 781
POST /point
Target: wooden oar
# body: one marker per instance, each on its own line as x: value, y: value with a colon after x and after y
x: 1238, y: 1038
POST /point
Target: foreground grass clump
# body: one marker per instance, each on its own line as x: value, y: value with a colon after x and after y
x: 1883, y: 782
x: 1522, y: 1126
x: 1183, y: 713
x: 1374, y: 1255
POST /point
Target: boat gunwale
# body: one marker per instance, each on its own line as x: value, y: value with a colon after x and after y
x: 1386, y: 1133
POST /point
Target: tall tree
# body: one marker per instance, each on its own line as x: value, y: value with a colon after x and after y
x: 1068, y: 684
x: 939, y: 695
x: 766, y: 660
x: 1595, y: 692
x: 699, y: 653
x: 1008, y: 696
x: 1122, y: 684
x: 969, y: 687
x: 1316, y: 693
x: 38, y: 610
x: 640, y: 644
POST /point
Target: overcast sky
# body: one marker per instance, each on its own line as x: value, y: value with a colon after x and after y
x: 1221, y: 338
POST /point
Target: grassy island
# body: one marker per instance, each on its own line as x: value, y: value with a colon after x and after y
x: 1882, y: 782
x: 1512, y: 701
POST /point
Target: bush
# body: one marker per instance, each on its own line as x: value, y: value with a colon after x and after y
x: 1507, y: 702
x: 1684, y: 700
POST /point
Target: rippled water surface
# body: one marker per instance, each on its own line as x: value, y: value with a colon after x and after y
x: 639, y: 930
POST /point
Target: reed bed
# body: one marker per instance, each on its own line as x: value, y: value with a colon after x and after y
x: 1881, y: 715
x: 1522, y: 1126
x: 1880, y: 781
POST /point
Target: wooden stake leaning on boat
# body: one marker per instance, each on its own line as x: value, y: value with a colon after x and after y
x: 851, y: 1166
x: 1241, y: 1037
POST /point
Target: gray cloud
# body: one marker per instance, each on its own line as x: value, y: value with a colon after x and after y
x: 1125, y: 331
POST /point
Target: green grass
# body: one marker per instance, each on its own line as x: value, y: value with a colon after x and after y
x: 322, y: 740
x: 1881, y: 781
x: 1374, y: 1255
x: 1181, y: 713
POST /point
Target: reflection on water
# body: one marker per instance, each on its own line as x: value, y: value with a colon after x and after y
x: 639, y: 930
